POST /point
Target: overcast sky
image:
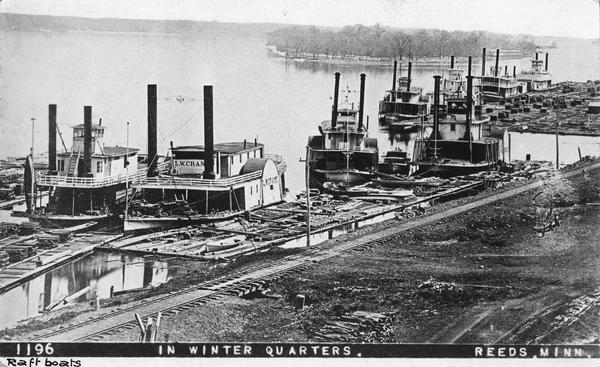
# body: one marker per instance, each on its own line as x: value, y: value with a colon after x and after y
x: 572, y: 18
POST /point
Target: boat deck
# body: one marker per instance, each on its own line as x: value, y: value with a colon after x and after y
x: 284, y: 224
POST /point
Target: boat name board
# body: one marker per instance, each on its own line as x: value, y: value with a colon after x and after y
x: 189, y: 166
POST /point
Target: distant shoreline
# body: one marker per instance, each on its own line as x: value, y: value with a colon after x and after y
x: 427, y: 62
x: 50, y: 31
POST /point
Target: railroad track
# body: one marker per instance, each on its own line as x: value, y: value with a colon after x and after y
x: 252, y: 279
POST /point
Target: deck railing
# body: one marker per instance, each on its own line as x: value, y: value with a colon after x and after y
x: 149, y: 182
x: 95, y: 182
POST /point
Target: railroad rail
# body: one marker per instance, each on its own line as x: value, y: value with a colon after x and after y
x: 244, y: 282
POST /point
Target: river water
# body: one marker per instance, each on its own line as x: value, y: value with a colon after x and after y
x: 256, y: 95
x: 100, y: 271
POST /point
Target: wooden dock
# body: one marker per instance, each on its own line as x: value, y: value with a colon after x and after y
x: 18, y: 273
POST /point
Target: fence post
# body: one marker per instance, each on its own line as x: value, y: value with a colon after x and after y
x: 142, y: 328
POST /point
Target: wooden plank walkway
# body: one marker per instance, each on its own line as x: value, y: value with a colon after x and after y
x: 19, y: 272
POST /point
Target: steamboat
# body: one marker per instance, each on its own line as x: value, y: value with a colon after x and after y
x: 405, y: 106
x: 538, y: 78
x: 456, y: 145
x: 343, y: 154
x: 209, y: 183
x: 496, y: 87
x: 86, y: 182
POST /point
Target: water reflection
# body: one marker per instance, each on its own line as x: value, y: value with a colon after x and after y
x: 102, y: 272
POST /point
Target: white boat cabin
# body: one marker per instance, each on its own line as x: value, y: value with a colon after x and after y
x: 106, y: 161
x: 228, y: 158
x: 454, y: 84
x: 537, y: 79
x: 403, y: 104
x: 455, y: 129
x: 245, y: 178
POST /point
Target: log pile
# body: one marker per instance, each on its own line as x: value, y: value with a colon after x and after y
x: 358, y: 327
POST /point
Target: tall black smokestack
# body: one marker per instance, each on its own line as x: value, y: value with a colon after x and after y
x: 452, y: 62
x: 209, y: 148
x: 336, y: 92
x: 52, y: 138
x: 436, y: 103
x: 497, y: 61
x: 536, y: 55
x: 152, y: 128
x: 514, y: 71
x: 394, y: 80
x: 469, y: 67
x: 409, y: 77
x: 361, y: 106
x: 483, y: 62
x: 469, y: 101
x: 86, y: 167
x: 505, y: 70
x: 546, y: 63
x: 469, y: 110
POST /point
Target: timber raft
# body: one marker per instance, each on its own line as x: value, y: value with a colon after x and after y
x: 284, y: 225
x: 569, y: 109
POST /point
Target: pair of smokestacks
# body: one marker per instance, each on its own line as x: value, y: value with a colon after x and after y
x: 469, y: 105
x: 85, y: 166
x: 394, y: 79
x: 334, y: 108
x: 545, y: 63
x: 209, y: 147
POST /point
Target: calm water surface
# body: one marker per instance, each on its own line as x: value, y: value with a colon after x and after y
x: 255, y: 94
x: 100, y: 271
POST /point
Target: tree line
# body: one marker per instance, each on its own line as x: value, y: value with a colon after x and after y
x: 384, y: 42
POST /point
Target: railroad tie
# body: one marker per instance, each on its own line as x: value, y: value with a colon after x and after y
x: 233, y: 292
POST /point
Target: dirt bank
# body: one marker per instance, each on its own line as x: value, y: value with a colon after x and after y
x: 482, y: 277
x: 492, y: 274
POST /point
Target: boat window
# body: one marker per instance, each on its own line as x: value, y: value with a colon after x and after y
x: 452, y: 127
x: 240, y: 158
x: 254, y: 152
x: 251, y: 190
x: 248, y: 155
x: 99, y: 166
